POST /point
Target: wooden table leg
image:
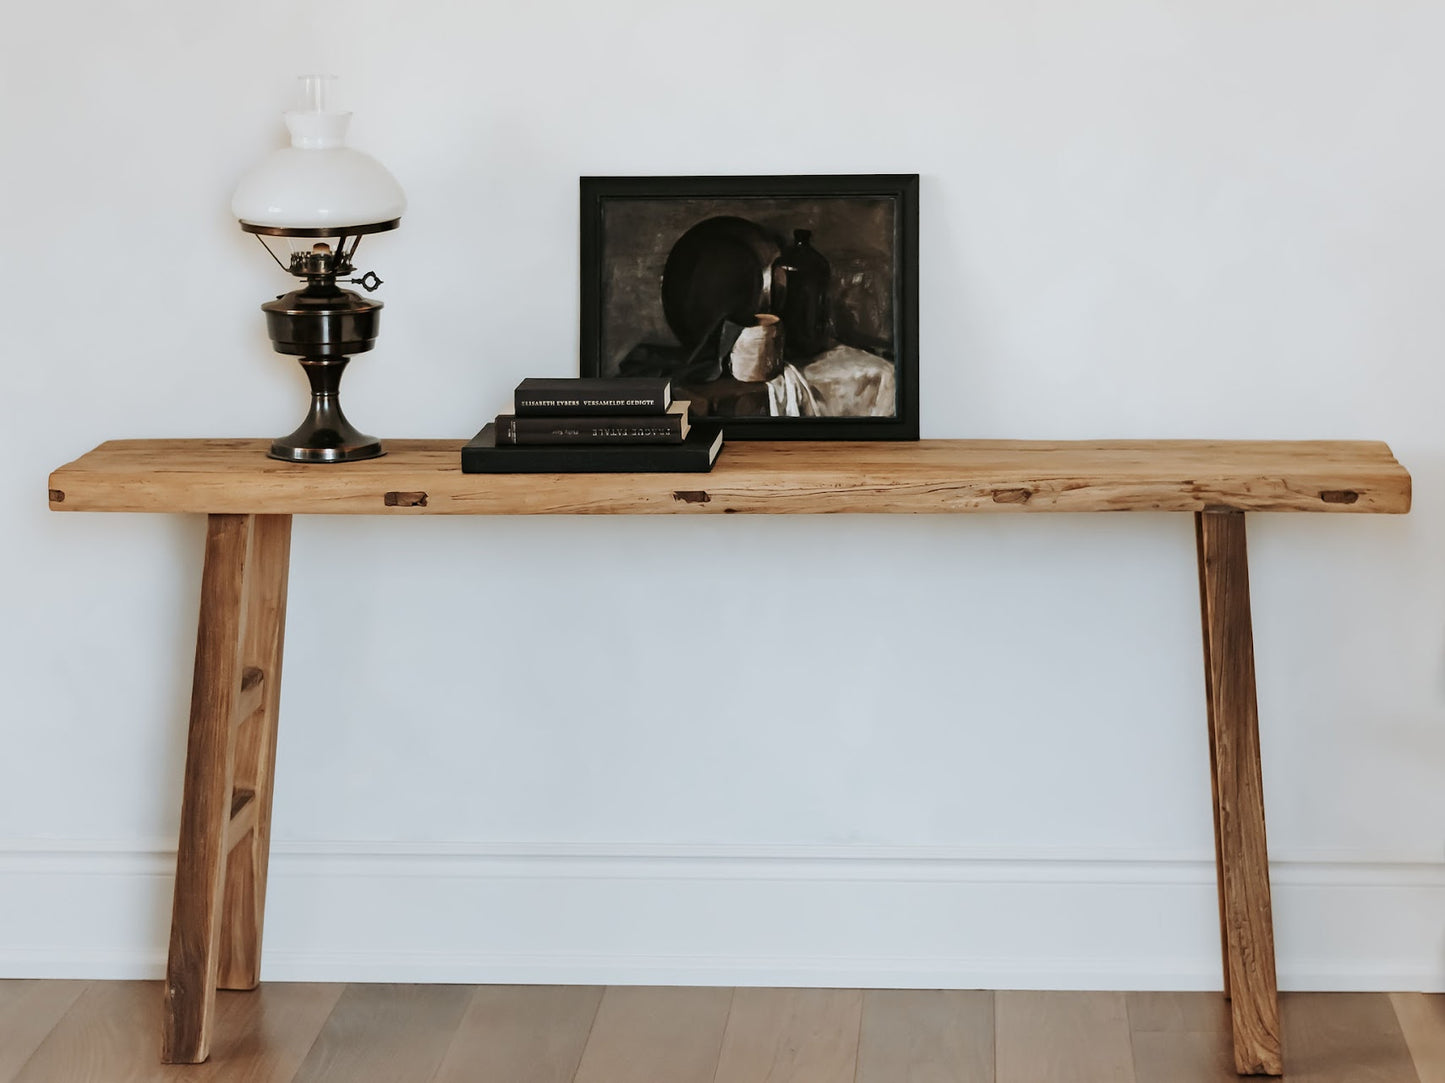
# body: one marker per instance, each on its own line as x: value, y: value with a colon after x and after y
x: 1213, y: 755
x: 1247, y: 930
x: 244, y: 906
x: 233, y: 705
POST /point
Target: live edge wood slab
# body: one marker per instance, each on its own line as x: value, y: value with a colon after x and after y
x: 421, y: 477
x: 249, y: 499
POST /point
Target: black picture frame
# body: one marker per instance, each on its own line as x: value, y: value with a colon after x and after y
x: 632, y: 228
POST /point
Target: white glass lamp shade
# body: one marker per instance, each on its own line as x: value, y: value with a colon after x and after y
x: 317, y: 183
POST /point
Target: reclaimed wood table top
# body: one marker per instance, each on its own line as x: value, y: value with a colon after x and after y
x: 424, y: 477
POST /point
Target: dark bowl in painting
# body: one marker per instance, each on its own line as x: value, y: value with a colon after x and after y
x: 717, y: 270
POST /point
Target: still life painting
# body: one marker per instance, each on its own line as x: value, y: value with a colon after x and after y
x: 785, y: 307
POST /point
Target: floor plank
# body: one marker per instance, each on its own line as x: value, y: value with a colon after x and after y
x: 1344, y: 1038
x: 522, y: 1034
x: 926, y: 1036
x: 1062, y: 1038
x: 386, y: 1034
x: 791, y: 1036
x: 644, y: 1034
x: 108, y: 1032
x: 1181, y: 1037
x: 264, y: 1035
x: 1422, y: 1020
x: 112, y: 1035
x: 29, y: 1011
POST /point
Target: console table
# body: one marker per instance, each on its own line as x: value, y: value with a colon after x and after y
x: 249, y: 500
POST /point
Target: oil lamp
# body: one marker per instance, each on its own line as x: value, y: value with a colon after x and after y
x: 310, y: 204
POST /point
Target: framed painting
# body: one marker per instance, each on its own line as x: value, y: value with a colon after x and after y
x: 785, y: 307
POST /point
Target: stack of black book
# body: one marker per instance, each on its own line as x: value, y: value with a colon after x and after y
x: 618, y: 425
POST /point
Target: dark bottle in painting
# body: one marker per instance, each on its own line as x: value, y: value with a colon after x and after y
x: 800, y: 297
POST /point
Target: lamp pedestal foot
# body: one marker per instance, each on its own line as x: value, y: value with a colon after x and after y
x: 325, y: 436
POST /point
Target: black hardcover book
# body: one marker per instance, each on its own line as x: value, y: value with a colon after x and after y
x: 573, y: 396
x: 695, y: 455
x: 668, y: 428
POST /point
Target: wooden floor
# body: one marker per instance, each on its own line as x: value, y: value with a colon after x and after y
x: 109, y: 1032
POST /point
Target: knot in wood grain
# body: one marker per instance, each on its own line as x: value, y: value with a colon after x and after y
x: 691, y: 496
x: 405, y: 500
x: 57, y: 496
x: 1012, y: 496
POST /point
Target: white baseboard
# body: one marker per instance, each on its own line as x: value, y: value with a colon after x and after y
x: 735, y: 915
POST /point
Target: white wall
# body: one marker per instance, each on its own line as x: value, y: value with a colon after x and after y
x: 977, y: 756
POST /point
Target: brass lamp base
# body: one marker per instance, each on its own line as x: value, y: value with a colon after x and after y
x: 322, y: 326
x: 325, y: 436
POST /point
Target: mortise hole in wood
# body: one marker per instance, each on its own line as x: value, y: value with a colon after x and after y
x: 244, y: 811
x: 691, y: 496
x: 253, y: 680
x: 1339, y: 496
x: 405, y: 500
x: 57, y: 496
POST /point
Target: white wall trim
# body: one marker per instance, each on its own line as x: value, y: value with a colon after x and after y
x: 832, y: 971
x: 708, y: 861
x: 324, y: 894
